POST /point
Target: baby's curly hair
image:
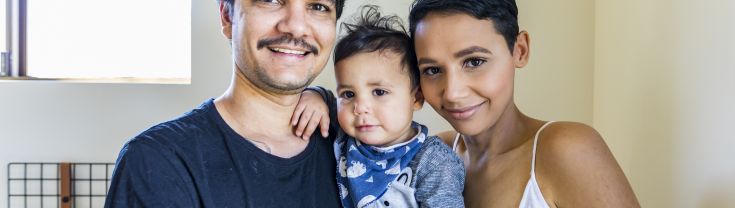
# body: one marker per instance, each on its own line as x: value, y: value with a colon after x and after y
x: 374, y: 32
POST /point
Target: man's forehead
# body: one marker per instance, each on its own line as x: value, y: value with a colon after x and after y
x: 333, y: 2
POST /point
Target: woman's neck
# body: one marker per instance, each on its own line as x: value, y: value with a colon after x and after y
x: 509, y: 132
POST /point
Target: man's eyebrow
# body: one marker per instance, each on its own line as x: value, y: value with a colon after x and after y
x: 471, y: 50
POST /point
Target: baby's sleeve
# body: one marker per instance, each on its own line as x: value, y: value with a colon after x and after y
x: 440, y: 177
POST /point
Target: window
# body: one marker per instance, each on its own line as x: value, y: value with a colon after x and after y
x: 99, y: 39
x: 3, y: 38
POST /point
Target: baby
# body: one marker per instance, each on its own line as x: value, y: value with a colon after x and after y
x: 384, y: 158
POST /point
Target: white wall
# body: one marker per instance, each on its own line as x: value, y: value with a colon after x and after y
x: 52, y: 122
x: 664, y: 95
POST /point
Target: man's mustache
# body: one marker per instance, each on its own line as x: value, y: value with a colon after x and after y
x: 285, y: 39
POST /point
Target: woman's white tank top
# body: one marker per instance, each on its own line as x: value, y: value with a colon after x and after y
x: 532, y: 196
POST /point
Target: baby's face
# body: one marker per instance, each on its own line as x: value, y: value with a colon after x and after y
x: 375, y: 101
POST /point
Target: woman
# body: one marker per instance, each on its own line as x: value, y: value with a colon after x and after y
x: 467, y: 53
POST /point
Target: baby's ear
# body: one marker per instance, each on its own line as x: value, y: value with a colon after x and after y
x: 418, y: 98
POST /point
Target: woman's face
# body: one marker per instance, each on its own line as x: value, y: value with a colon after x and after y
x: 467, y: 70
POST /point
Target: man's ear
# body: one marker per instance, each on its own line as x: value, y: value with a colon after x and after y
x: 418, y: 101
x: 226, y: 18
x: 521, y: 49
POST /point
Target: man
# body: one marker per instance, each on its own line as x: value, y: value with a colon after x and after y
x: 239, y: 150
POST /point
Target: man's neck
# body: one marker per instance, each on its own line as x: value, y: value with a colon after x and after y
x: 260, y: 116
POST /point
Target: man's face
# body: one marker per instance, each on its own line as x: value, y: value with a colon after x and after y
x: 280, y: 45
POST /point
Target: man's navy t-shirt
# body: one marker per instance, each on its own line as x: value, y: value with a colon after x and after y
x: 197, y: 160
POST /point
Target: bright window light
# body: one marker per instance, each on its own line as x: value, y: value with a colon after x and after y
x: 109, y: 39
x: 3, y: 18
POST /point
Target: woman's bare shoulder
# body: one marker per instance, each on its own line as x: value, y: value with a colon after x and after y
x: 575, y: 160
x: 572, y: 145
x: 569, y: 135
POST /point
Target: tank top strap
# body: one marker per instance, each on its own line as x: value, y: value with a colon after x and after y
x: 535, y: 143
x: 456, y: 142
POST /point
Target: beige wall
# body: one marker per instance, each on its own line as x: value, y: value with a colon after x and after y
x: 557, y: 84
x: 664, y: 95
x: 52, y: 122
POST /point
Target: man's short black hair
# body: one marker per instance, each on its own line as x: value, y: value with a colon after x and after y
x: 503, y: 13
x: 373, y: 32
x: 339, y: 4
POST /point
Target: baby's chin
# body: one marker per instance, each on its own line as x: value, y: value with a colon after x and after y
x: 376, y: 141
x: 371, y: 140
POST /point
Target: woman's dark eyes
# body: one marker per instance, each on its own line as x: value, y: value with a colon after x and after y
x: 431, y: 71
x: 474, y: 62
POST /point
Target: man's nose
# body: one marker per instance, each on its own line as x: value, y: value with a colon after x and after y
x: 294, y: 22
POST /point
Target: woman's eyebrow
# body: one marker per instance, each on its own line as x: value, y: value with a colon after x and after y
x: 471, y: 50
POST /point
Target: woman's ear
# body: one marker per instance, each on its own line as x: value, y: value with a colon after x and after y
x: 418, y: 99
x: 522, y: 49
x: 226, y: 18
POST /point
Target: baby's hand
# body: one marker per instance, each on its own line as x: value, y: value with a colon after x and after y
x: 310, y: 113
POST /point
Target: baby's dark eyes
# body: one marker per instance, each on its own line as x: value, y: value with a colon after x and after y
x: 347, y: 94
x: 379, y: 92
